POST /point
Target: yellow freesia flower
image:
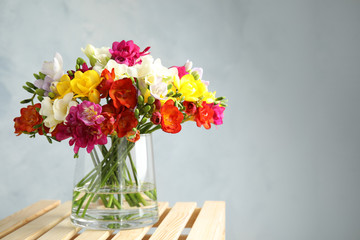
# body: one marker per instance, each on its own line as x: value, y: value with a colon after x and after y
x: 83, y: 84
x: 190, y: 88
x: 209, y: 97
x: 63, y: 87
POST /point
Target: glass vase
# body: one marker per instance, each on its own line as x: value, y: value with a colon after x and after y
x: 115, y: 186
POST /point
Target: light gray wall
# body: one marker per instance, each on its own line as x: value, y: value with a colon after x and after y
x: 286, y: 160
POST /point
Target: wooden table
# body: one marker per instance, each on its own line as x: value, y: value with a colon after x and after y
x: 49, y: 220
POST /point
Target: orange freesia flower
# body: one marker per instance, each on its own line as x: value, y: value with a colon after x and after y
x: 28, y: 119
x: 204, y: 115
x: 123, y: 93
x: 171, y: 117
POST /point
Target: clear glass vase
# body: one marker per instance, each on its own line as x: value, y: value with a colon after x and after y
x: 115, y: 186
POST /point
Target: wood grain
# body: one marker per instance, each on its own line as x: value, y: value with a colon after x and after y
x: 42, y: 224
x: 65, y: 230
x: 22, y: 217
x: 175, y: 221
x: 138, y: 234
x: 210, y: 224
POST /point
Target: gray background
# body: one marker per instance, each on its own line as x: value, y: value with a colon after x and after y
x: 286, y: 160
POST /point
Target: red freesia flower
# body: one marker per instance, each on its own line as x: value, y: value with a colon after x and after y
x: 156, y: 118
x: 132, y: 136
x: 107, y: 79
x: 107, y: 126
x: 171, y: 117
x: 123, y: 93
x: 125, y: 122
x: 190, y: 108
x: 204, y: 115
x: 127, y: 52
x: 28, y: 119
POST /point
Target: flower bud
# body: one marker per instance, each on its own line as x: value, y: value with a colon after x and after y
x: 195, y: 75
x: 156, y: 118
x: 188, y: 65
x: 143, y: 120
x: 140, y: 99
x: 157, y: 104
x: 137, y: 112
x: 147, y: 108
x: 151, y: 100
x: 170, y: 94
x: 40, y: 92
x: 51, y: 95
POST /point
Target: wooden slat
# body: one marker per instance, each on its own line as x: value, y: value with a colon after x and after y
x: 193, y: 217
x: 94, y: 235
x: 210, y: 224
x: 22, y: 217
x: 42, y: 224
x: 173, y: 224
x: 138, y: 234
x: 63, y: 231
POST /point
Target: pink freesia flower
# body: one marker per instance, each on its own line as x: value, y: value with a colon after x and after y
x: 89, y: 113
x: 218, y: 114
x: 127, y: 52
x: 181, y: 71
x: 83, y: 125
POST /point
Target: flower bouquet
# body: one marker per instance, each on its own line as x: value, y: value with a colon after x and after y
x: 109, y: 107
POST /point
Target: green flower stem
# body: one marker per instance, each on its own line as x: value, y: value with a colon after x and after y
x: 87, y: 204
x: 140, y: 199
x: 133, y: 169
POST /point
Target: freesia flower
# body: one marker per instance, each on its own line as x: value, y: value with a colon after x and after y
x: 127, y: 53
x: 218, y: 114
x: 28, y: 120
x: 90, y: 113
x: 204, y: 115
x: 107, y: 78
x: 171, y: 117
x: 121, y: 70
x: 44, y: 84
x: 63, y: 87
x: 190, y: 107
x: 156, y: 118
x: 132, y: 136
x: 190, y: 88
x: 57, y: 110
x: 53, y: 69
x: 107, y: 126
x: 123, y: 93
x: 83, y: 83
x: 98, y: 57
x: 83, y: 126
x: 125, y: 122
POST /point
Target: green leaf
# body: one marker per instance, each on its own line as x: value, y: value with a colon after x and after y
x: 28, y: 89
x: 25, y: 101
x: 42, y: 76
x: 30, y: 85
x: 36, y: 76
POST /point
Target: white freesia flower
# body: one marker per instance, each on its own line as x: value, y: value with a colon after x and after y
x: 56, y: 111
x: 98, y: 57
x: 53, y: 69
x: 121, y: 70
x: 159, y: 89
